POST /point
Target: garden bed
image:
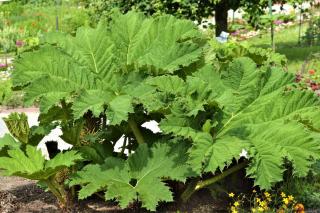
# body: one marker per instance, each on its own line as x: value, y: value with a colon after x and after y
x: 19, y: 195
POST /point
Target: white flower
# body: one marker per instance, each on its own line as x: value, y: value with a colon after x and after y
x: 244, y: 153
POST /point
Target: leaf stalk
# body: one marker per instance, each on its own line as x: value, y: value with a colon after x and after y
x: 197, y: 185
x: 136, y: 131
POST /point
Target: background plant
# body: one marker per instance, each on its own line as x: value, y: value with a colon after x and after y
x: 5, y: 91
x: 189, y: 9
x: 25, y: 22
x: 312, y: 35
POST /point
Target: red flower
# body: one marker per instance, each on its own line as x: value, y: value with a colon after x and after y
x: 314, y: 87
x: 312, y: 72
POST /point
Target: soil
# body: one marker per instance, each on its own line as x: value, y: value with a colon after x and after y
x: 18, y: 195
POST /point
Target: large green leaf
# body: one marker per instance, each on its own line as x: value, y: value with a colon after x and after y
x: 96, y: 65
x: 139, y: 177
x: 267, y: 112
x: 50, y: 74
x: 8, y: 141
x: 161, y: 45
x: 32, y: 164
x: 119, y: 108
x: 260, y: 112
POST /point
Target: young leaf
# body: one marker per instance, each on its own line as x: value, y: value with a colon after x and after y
x: 18, y: 126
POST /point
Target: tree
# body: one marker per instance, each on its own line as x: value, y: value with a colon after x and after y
x: 190, y: 9
x: 253, y: 7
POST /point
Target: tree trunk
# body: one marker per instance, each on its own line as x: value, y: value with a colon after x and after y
x: 221, y: 17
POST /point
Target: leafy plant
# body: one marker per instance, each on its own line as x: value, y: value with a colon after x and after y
x: 5, y: 91
x: 100, y: 81
x: 226, y: 53
x: 105, y: 83
x: 31, y: 164
x: 312, y: 35
x: 22, y: 158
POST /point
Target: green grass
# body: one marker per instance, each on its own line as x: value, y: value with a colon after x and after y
x: 286, y: 42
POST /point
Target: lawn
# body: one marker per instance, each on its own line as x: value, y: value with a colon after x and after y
x: 287, y: 43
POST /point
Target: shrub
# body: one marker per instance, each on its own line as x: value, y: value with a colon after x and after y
x: 105, y: 83
x: 312, y: 35
x: 5, y: 91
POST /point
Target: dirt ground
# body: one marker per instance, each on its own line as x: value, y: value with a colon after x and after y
x: 19, y: 195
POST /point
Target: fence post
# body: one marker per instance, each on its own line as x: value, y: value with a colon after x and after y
x: 272, y: 28
x: 300, y: 24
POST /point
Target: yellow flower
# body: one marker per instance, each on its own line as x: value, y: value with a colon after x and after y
x: 267, y: 194
x: 254, y: 191
x: 236, y: 204
x: 260, y: 209
x: 231, y: 194
x: 283, y: 194
x: 286, y: 201
x: 258, y: 200
x: 263, y: 204
x: 253, y: 210
x: 234, y: 210
x: 290, y: 197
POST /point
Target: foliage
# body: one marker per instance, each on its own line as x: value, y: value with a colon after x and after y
x: 264, y: 21
x: 128, y: 180
x: 309, y: 81
x: 189, y: 9
x: 29, y: 163
x: 251, y: 100
x: 19, y: 155
x: 193, y: 10
x: 118, y: 58
x: 5, y: 91
x: 8, y: 37
x: 312, y: 35
x: 226, y: 53
x: 22, y: 25
x: 8, y: 97
x: 305, y: 190
x: 308, y: 77
x: 102, y: 84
